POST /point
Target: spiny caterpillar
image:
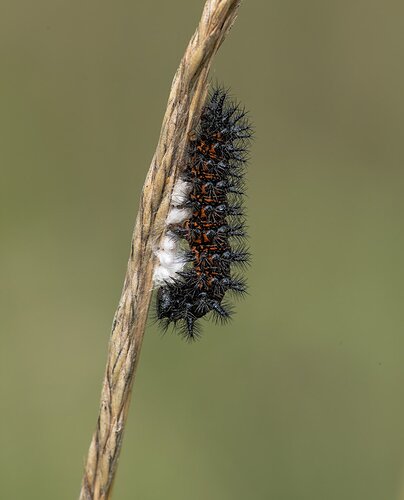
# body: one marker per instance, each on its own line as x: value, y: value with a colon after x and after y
x: 206, y: 211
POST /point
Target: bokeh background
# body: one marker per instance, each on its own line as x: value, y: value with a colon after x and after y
x: 301, y: 396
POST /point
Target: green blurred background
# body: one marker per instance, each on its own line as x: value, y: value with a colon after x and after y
x: 302, y: 395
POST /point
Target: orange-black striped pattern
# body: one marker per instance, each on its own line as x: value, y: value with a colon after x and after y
x: 215, y: 229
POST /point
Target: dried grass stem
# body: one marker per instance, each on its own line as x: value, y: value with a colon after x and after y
x: 186, y: 98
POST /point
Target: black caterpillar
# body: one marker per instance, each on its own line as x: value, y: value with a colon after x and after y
x: 207, y: 213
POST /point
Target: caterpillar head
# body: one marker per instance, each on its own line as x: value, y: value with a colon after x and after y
x: 165, y: 303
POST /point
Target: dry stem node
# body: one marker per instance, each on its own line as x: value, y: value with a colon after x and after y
x: 186, y: 98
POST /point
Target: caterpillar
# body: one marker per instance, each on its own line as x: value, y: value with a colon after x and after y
x: 207, y: 218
